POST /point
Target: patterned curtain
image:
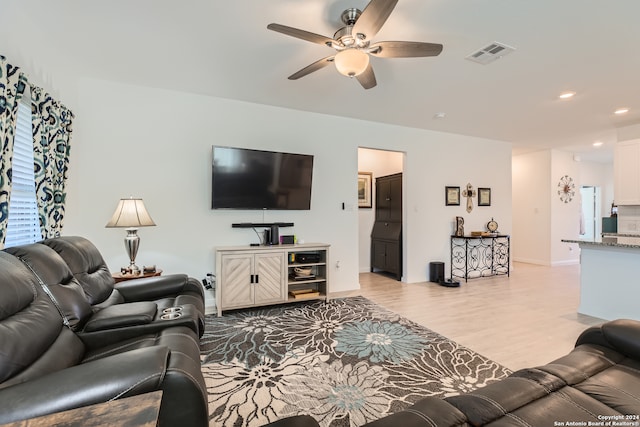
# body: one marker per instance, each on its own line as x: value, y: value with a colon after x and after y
x: 51, y: 137
x: 12, y: 85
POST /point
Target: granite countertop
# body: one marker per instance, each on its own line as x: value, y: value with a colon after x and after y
x: 611, y: 239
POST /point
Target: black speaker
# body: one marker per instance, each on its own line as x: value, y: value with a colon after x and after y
x: 275, y: 235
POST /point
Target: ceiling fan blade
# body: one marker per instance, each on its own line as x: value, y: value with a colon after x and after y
x: 404, y: 49
x: 367, y: 79
x: 321, y: 63
x: 373, y: 17
x: 301, y: 34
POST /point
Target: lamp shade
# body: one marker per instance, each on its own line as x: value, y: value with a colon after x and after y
x: 130, y: 213
x: 351, y: 62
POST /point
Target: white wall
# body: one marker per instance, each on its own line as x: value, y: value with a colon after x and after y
x: 541, y: 219
x: 379, y: 163
x: 156, y: 144
x: 531, y: 240
x: 565, y: 223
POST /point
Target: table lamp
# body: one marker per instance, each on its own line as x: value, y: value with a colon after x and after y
x: 131, y: 214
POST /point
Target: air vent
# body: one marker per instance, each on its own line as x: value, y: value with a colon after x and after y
x: 490, y: 53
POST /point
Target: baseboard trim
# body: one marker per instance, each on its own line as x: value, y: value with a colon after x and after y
x: 566, y: 262
x: 532, y: 261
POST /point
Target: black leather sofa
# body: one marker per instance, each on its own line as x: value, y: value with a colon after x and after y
x: 59, y: 351
x: 597, y: 383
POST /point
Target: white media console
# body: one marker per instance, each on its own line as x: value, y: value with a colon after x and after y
x: 251, y: 276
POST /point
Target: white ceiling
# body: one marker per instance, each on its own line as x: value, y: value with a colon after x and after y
x: 224, y: 49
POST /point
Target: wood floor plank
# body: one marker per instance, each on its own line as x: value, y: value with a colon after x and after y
x: 525, y: 320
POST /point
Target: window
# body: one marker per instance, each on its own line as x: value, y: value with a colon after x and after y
x: 23, y: 224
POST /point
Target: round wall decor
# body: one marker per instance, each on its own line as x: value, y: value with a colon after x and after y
x: 566, y: 189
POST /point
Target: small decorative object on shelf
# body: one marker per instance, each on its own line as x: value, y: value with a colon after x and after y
x: 149, y: 268
x: 469, y: 193
x: 492, y: 226
x: 304, y: 293
x: 126, y: 273
x: 459, y: 226
x: 566, y: 189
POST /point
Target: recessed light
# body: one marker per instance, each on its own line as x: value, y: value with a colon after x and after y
x: 440, y: 115
x: 598, y: 144
x: 621, y: 111
x: 566, y: 95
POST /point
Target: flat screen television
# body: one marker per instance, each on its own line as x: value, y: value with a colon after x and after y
x: 255, y: 179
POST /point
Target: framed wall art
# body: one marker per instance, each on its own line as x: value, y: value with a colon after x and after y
x: 364, y: 189
x: 452, y: 196
x: 484, y: 196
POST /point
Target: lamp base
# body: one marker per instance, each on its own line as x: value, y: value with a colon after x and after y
x: 131, y: 243
x: 134, y: 269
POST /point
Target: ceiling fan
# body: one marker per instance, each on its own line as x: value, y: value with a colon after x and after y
x: 353, y: 43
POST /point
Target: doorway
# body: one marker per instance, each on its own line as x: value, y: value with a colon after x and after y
x: 590, y: 227
x: 378, y: 163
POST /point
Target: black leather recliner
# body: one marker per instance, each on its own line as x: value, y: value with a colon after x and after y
x: 109, y: 325
x: 91, y: 271
x: 45, y: 367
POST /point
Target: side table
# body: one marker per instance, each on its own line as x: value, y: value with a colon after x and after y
x: 120, y: 277
x: 480, y: 256
x: 141, y: 410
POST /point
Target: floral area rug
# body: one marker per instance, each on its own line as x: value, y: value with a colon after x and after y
x: 345, y: 362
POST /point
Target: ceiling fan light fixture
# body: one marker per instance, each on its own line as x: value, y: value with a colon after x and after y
x: 351, y: 62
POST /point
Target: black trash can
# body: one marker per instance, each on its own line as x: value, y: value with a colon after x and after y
x: 436, y: 272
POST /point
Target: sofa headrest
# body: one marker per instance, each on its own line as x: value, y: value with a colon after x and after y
x: 51, y: 269
x: 17, y: 286
x: 86, y: 264
x: 29, y: 322
x: 620, y: 335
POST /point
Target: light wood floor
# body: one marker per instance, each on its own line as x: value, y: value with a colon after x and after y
x: 525, y: 320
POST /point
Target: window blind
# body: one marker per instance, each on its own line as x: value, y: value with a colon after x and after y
x: 23, y: 224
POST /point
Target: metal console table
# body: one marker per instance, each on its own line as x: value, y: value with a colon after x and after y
x: 479, y: 256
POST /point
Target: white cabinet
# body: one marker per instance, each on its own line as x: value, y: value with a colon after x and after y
x: 626, y: 167
x: 265, y: 275
x: 251, y: 279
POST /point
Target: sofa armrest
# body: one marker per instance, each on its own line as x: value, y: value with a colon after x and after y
x: 156, y: 287
x: 122, y: 315
x: 126, y: 374
x: 622, y: 335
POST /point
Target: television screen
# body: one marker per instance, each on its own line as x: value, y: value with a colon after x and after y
x: 255, y: 179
